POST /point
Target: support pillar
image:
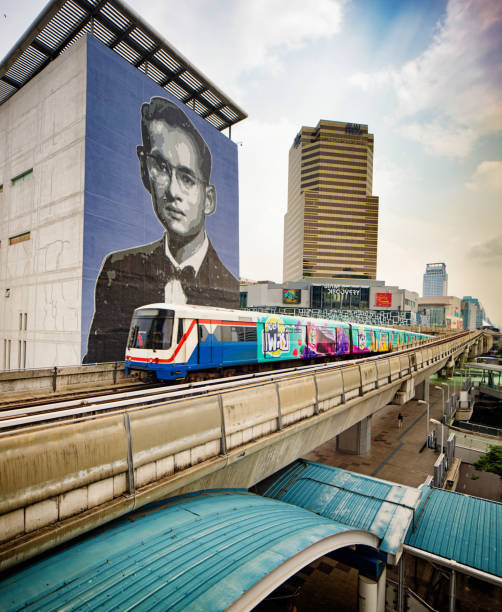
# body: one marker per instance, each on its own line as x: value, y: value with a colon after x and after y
x: 451, y: 607
x: 367, y: 594
x: 400, y: 585
x: 450, y: 367
x: 357, y: 439
x: 382, y: 587
x: 422, y: 391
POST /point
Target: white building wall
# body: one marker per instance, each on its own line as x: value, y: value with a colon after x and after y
x: 265, y: 294
x: 43, y: 127
x: 398, y: 299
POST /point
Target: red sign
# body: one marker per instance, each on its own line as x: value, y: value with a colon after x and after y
x: 384, y: 299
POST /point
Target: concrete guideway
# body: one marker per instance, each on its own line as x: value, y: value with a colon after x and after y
x: 61, y: 481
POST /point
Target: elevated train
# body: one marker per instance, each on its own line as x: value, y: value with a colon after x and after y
x: 174, y: 342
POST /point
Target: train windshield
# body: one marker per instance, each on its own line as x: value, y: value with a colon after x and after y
x: 151, y: 328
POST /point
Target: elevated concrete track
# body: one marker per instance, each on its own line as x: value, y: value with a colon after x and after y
x: 62, y: 479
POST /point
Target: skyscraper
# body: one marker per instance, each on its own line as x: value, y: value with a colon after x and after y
x: 331, y: 225
x: 435, y: 280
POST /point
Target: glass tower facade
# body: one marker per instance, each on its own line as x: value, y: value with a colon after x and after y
x: 435, y: 280
x: 331, y: 225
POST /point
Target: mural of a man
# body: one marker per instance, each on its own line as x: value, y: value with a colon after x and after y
x: 182, y: 266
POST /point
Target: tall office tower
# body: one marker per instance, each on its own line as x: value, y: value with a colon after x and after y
x: 331, y: 225
x: 435, y: 280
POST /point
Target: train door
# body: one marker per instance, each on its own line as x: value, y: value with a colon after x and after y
x: 216, y: 343
x: 205, y: 343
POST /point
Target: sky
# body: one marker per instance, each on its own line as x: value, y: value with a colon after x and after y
x: 425, y: 76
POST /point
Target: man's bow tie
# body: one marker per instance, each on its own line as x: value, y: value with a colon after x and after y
x: 185, y: 275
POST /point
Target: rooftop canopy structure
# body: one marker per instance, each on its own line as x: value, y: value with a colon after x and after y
x: 63, y: 22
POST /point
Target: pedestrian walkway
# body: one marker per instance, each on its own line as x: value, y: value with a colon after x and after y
x: 397, y: 454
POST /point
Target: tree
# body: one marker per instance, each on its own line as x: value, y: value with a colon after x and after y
x: 491, y: 462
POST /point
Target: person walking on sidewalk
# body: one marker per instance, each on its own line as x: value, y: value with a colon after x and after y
x: 400, y: 420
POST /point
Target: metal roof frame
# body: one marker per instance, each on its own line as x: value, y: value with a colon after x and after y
x: 63, y: 22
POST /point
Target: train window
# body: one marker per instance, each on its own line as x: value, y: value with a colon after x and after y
x: 235, y: 333
x: 151, y: 328
x: 225, y: 333
x: 203, y: 333
x: 250, y: 334
x: 180, y: 331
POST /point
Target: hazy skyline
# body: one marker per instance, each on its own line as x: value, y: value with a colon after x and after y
x: 426, y: 77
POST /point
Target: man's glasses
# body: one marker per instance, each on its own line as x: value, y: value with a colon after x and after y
x: 161, y: 171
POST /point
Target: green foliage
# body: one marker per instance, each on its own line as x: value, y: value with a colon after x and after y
x: 491, y: 462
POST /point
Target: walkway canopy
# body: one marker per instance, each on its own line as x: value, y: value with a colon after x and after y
x: 206, y: 551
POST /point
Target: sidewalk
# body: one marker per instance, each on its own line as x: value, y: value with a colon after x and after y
x: 397, y: 455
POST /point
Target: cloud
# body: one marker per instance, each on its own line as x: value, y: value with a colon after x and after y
x: 489, y: 252
x: 487, y: 177
x: 256, y: 33
x: 437, y: 138
x: 453, y: 89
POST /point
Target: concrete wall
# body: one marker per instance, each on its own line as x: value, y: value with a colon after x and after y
x: 42, y: 127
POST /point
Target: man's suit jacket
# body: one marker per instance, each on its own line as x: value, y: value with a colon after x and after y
x: 137, y: 276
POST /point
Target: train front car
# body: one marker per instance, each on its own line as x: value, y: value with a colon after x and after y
x: 150, y: 338
x: 172, y: 341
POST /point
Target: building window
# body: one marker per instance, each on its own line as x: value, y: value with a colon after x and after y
x: 1, y: 188
x: 19, y: 238
x: 22, y: 177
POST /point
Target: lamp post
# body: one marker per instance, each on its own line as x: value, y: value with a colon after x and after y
x: 436, y: 422
x: 448, y: 388
x: 427, y: 404
x: 442, y: 395
x: 448, y: 399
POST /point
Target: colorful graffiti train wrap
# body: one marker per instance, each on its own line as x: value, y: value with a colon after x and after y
x: 289, y: 338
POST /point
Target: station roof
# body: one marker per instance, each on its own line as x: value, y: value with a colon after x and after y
x: 216, y: 549
x: 63, y: 22
x: 203, y: 552
x: 484, y: 366
x: 385, y: 509
x: 459, y: 527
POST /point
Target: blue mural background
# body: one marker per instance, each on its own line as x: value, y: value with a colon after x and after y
x: 118, y: 211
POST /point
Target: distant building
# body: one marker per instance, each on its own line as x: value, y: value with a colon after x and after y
x: 440, y: 311
x: 331, y: 225
x: 369, y: 301
x: 477, y: 308
x: 435, y: 280
x: 470, y: 312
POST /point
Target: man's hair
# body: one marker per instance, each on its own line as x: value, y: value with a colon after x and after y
x: 165, y: 110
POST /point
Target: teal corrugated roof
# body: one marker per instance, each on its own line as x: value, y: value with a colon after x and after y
x: 362, y: 502
x: 197, y: 552
x: 459, y: 527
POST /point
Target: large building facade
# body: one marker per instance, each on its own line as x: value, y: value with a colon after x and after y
x: 331, y: 224
x: 366, y: 301
x: 435, y: 280
x: 86, y: 197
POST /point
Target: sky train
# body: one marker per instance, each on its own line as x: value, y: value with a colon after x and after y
x: 173, y: 341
